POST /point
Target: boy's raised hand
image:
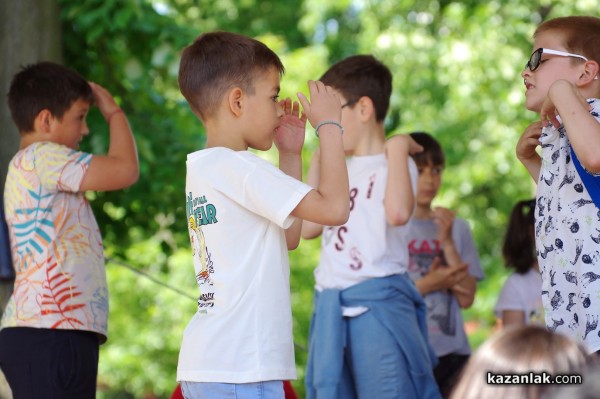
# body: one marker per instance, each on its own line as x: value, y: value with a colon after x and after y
x: 324, y: 104
x: 289, y: 136
x: 444, y: 218
x: 529, y: 141
x: 104, y: 100
x: 403, y: 143
x: 559, y: 90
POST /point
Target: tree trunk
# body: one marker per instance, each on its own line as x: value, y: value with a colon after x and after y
x: 30, y: 32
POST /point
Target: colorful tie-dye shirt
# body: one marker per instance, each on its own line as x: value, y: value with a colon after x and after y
x: 55, y: 242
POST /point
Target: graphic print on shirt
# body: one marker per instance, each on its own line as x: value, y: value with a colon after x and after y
x: 355, y: 257
x: 440, y: 312
x: 201, y: 213
x: 566, y: 237
x: 54, y: 233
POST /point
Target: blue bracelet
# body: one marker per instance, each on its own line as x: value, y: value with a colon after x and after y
x: 328, y: 123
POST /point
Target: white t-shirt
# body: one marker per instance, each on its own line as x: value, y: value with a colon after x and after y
x: 567, y: 231
x: 523, y: 292
x: 238, y: 206
x: 366, y: 246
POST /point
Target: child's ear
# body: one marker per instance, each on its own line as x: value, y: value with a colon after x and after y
x: 43, y: 121
x: 235, y: 101
x: 366, y: 108
x: 590, y: 73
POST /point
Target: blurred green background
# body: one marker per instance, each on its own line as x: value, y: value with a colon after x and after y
x: 456, y: 67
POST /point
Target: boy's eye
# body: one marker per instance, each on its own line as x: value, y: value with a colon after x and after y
x: 275, y: 98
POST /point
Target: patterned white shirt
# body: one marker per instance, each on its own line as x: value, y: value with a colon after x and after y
x: 567, y: 230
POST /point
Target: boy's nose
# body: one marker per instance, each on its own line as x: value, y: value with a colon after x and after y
x: 280, y: 111
x: 84, y: 129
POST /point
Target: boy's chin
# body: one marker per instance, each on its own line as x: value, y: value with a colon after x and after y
x: 533, y: 107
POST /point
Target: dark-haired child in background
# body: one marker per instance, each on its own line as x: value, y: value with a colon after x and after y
x: 520, y: 301
x: 443, y: 263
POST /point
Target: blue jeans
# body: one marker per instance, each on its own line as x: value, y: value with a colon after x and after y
x: 218, y: 390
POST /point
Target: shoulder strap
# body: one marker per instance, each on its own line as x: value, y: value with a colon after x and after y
x: 591, y: 183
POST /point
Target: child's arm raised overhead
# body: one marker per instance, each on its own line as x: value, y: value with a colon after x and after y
x: 119, y: 168
x: 582, y: 128
x: 289, y: 140
x: 310, y: 229
x: 399, y: 200
x: 525, y: 150
x: 329, y: 203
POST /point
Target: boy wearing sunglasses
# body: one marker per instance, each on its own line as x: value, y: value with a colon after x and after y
x: 562, y: 85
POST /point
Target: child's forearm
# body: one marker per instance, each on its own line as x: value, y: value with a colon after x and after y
x: 582, y: 128
x: 310, y: 229
x: 122, y: 148
x: 533, y: 166
x: 399, y: 198
x: 291, y: 165
x: 332, y: 165
x: 464, y: 291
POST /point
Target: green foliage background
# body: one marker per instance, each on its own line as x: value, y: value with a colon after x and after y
x: 456, y: 67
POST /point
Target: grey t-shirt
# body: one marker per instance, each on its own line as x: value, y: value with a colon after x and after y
x: 444, y: 319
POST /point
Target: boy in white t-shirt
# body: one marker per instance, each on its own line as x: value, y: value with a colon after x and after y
x: 244, y: 214
x: 368, y: 335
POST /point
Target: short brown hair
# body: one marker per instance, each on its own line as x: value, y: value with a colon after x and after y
x: 45, y: 85
x: 519, y: 350
x: 581, y: 34
x: 362, y: 76
x: 432, y: 153
x: 218, y: 61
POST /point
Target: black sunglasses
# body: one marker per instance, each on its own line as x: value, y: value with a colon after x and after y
x: 536, y: 57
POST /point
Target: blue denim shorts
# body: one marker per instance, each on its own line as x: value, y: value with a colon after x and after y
x: 218, y: 390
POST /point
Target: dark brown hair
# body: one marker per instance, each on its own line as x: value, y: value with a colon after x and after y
x: 218, y: 61
x: 362, y: 76
x: 581, y: 35
x: 432, y: 153
x: 518, y: 248
x: 44, y: 85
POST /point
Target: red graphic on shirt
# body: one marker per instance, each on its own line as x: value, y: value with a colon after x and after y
x: 58, y: 296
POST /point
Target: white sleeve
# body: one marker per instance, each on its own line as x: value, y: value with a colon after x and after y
x: 263, y: 189
x: 510, y: 297
x: 466, y: 247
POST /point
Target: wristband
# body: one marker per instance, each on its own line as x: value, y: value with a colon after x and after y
x: 328, y: 123
x: 116, y: 111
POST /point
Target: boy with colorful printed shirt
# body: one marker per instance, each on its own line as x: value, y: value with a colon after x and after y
x: 57, y: 315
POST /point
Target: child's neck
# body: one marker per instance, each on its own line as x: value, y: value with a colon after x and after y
x: 30, y: 138
x: 423, y: 212
x: 372, y: 141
